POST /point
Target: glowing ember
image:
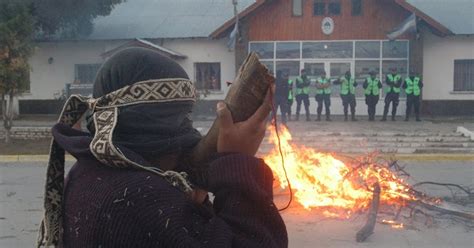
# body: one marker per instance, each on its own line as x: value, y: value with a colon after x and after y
x: 393, y: 224
x: 322, y: 182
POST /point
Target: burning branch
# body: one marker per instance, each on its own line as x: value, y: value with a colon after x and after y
x: 368, y: 228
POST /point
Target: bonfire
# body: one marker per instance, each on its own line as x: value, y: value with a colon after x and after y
x: 339, y: 187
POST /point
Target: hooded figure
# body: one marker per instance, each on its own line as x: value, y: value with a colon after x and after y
x: 132, y: 185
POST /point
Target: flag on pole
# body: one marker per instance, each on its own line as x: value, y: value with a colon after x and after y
x: 233, y: 35
x: 235, y: 32
x: 408, y: 25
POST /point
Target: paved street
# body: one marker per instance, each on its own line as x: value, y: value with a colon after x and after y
x: 21, y: 188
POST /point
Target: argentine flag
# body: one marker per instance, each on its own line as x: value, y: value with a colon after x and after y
x: 409, y: 25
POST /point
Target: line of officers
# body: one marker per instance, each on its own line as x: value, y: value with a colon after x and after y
x: 287, y: 91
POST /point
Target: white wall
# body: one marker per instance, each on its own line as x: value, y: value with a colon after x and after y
x: 48, y: 79
x: 439, y: 54
x: 205, y: 50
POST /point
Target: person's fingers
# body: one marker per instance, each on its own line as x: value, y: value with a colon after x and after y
x: 224, y: 116
x: 262, y: 112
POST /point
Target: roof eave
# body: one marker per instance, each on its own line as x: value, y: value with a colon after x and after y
x: 440, y: 29
x: 218, y: 33
x: 147, y: 44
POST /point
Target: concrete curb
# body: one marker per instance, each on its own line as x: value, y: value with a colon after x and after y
x: 30, y: 158
x: 465, y: 132
x: 408, y: 157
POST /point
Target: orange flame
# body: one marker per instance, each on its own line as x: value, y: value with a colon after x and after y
x: 322, y: 182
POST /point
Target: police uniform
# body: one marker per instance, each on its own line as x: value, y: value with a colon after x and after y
x: 413, y: 86
x: 392, y: 94
x: 302, y: 95
x: 347, y: 92
x: 290, y: 98
x: 372, y: 91
x: 323, y: 96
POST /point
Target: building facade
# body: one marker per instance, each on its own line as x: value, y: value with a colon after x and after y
x: 336, y: 36
x: 64, y: 67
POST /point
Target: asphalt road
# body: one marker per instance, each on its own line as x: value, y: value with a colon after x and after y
x: 21, y: 189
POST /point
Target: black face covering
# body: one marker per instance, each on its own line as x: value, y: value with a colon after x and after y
x: 143, y: 101
x: 154, y: 129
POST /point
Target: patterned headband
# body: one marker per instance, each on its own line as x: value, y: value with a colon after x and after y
x: 105, y: 116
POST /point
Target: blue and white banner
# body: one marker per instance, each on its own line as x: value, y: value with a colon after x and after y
x: 407, y: 26
x: 233, y: 35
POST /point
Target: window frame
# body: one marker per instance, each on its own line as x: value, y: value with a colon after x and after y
x: 361, y: 8
x: 76, y: 72
x: 337, y: 3
x: 293, y: 8
x: 380, y: 59
x: 219, y: 77
x: 324, y: 4
x: 459, y: 79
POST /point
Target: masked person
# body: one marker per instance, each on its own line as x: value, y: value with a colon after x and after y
x: 392, y: 93
x: 129, y: 187
x: 347, y: 92
x: 302, y: 94
x: 413, y: 86
x: 372, y: 86
x: 281, y: 95
x: 323, y: 96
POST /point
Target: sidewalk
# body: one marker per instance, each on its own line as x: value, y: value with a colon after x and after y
x: 439, y: 123
x: 431, y: 136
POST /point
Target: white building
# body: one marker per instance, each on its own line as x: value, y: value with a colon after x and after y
x: 448, y: 57
x: 443, y: 51
x: 178, y: 29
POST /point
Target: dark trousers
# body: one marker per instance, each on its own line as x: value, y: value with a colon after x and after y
x: 371, y: 102
x: 303, y: 98
x: 413, y: 101
x: 394, y: 99
x: 289, y: 105
x: 280, y: 102
x: 349, y: 100
x: 326, y: 100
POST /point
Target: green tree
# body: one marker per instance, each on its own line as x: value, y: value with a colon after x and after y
x: 22, y: 21
x: 16, y: 29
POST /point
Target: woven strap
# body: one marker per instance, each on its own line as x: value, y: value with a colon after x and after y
x: 105, y: 115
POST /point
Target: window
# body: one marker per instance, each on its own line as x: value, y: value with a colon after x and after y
x: 297, y: 7
x: 85, y: 73
x: 334, y: 7
x: 288, y: 50
x: 319, y: 8
x: 208, y: 76
x: 400, y: 65
x: 290, y: 67
x: 263, y: 49
x: 269, y: 65
x: 313, y: 50
x: 356, y: 7
x: 367, y: 49
x: 464, y: 75
x: 395, y: 49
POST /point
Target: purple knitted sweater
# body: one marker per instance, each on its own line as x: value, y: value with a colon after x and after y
x: 108, y: 207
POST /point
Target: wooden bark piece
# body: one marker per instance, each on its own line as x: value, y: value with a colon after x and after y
x: 368, y: 228
x: 245, y: 95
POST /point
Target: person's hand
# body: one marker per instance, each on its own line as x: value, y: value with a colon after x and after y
x: 243, y: 137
